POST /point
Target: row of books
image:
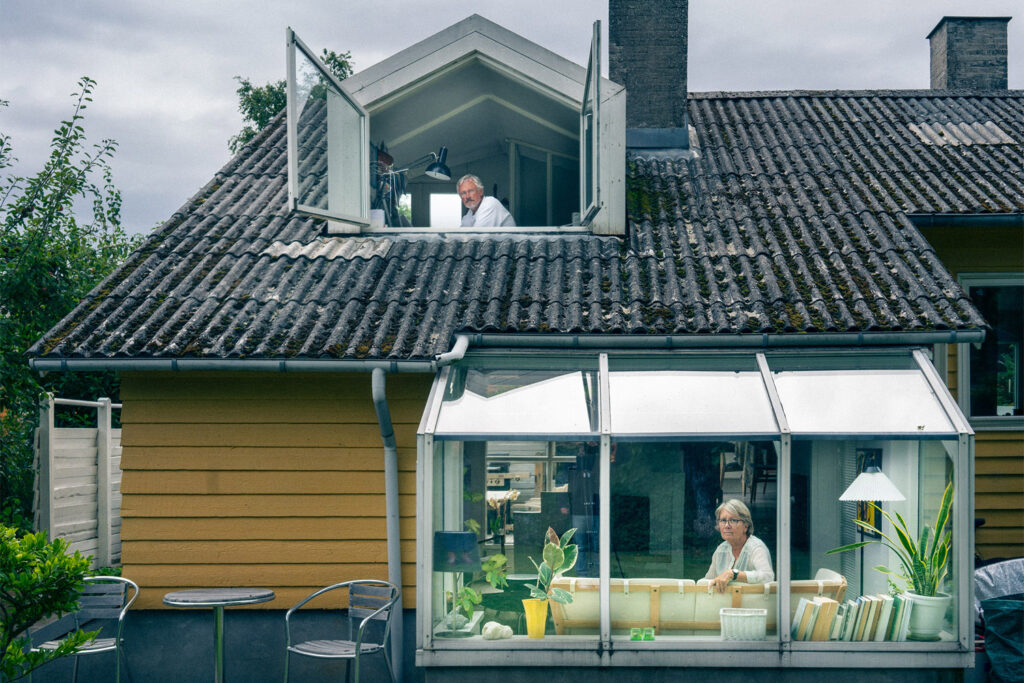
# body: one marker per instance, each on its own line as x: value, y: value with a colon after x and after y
x: 869, y: 617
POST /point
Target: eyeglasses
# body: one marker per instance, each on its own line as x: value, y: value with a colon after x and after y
x: 730, y: 522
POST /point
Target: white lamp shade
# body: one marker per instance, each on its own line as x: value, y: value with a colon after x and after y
x: 872, y: 485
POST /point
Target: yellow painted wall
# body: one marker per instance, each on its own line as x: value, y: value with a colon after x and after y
x: 270, y: 480
x: 999, y: 455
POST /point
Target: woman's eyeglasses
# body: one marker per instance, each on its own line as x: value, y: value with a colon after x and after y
x: 730, y: 522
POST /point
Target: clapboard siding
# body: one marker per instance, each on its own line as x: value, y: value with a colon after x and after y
x: 268, y: 480
x: 267, y: 459
x: 999, y: 456
x: 999, y: 493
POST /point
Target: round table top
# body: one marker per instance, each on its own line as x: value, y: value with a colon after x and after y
x: 218, y: 597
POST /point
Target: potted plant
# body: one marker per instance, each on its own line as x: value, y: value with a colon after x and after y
x: 559, y: 556
x: 924, y: 565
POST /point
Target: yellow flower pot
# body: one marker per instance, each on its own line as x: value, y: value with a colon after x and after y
x: 536, y: 617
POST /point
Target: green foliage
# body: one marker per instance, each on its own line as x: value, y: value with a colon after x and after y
x: 496, y: 570
x: 50, y: 257
x: 466, y: 599
x: 38, y: 579
x: 559, y: 557
x: 258, y: 104
x: 923, y: 566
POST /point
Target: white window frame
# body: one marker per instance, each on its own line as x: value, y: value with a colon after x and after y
x: 356, y: 221
x: 963, y: 357
x: 594, y: 651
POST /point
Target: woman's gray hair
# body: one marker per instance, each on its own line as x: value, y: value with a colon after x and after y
x: 471, y: 178
x: 738, y: 508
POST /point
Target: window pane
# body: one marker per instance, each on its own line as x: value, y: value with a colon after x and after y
x: 996, y: 365
x: 860, y: 402
x: 519, y: 403
x: 855, y: 601
x: 689, y: 402
x: 667, y: 544
x: 507, y: 494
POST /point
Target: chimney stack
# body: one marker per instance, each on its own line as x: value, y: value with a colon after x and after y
x: 969, y: 53
x: 647, y: 54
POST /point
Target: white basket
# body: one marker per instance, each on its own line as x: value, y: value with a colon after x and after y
x: 743, y: 624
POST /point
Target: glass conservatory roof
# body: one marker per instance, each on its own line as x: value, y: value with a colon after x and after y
x: 658, y: 397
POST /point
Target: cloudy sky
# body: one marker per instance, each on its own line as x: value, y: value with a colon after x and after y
x: 165, y: 69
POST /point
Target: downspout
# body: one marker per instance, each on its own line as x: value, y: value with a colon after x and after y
x: 387, y: 435
x: 457, y: 352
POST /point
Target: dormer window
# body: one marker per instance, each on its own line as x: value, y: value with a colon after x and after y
x: 546, y: 136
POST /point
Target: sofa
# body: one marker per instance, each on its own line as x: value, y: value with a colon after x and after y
x: 678, y: 606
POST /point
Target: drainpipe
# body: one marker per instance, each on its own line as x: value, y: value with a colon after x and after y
x: 387, y: 435
x: 457, y: 352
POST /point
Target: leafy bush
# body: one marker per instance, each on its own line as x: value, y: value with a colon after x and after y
x: 38, y: 579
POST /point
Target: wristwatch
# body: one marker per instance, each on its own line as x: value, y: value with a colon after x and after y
x: 735, y: 575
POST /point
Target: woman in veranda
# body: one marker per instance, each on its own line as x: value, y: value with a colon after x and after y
x: 741, y: 556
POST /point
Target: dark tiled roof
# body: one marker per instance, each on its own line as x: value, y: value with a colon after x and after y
x: 792, y: 219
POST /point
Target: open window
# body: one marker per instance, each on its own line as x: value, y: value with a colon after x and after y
x: 328, y: 133
x: 546, y: 136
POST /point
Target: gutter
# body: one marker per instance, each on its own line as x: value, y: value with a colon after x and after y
x: 456, y: 353
x: 189, y: 364
x: 519, y: 340
x: 690, y: 341
x: 387, y: 435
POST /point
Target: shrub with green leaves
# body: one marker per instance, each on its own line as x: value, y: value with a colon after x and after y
x: 38, y: 579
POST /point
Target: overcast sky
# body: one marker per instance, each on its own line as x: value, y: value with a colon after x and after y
x: 165, y: 69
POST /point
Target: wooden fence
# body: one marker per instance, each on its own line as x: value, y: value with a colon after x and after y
x: 78, y: 481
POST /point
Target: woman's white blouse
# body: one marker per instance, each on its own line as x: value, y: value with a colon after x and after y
x: 754, y: 559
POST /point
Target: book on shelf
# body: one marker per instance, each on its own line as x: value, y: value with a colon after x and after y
x: 823, y: 622
x: 884, y: 616
x: 901, y: 633
x: 798, y: 617
x: 852, y: 615
x: 807, y: 610
x: 838, y: 623
x: 865, y: 610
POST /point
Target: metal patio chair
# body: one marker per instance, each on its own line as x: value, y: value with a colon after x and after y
x: 370, y: 609
x: 103, y: 604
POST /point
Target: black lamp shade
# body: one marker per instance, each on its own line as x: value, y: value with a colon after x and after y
x: 456, y: 551
x: 438, y: 169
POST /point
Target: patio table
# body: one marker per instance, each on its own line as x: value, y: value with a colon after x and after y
x: 218, y: 599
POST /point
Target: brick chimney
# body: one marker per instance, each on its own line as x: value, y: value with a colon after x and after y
x: 969, y: 52
x: 647, y: 54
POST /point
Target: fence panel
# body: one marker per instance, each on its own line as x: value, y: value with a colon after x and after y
x: 78, y: 481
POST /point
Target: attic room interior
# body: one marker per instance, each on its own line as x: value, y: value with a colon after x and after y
x: 507, y: 111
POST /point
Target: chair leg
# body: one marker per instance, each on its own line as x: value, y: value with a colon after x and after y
x: 286, y: 654
x: 348, y: 671
x: 391, y: 670
x: 74, y: 671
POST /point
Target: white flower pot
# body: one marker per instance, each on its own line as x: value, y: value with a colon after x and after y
x: 927, y: 616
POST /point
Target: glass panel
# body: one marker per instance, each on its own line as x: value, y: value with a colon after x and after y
x: 996, y: 372
x: 589, y: 122
x: 331, y: 172
x: 506, y: 494
x: 690, y: 402
x: 519, y: 403
x: 846, y: 401
x: 840, y: 596
x: 672, y: 559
